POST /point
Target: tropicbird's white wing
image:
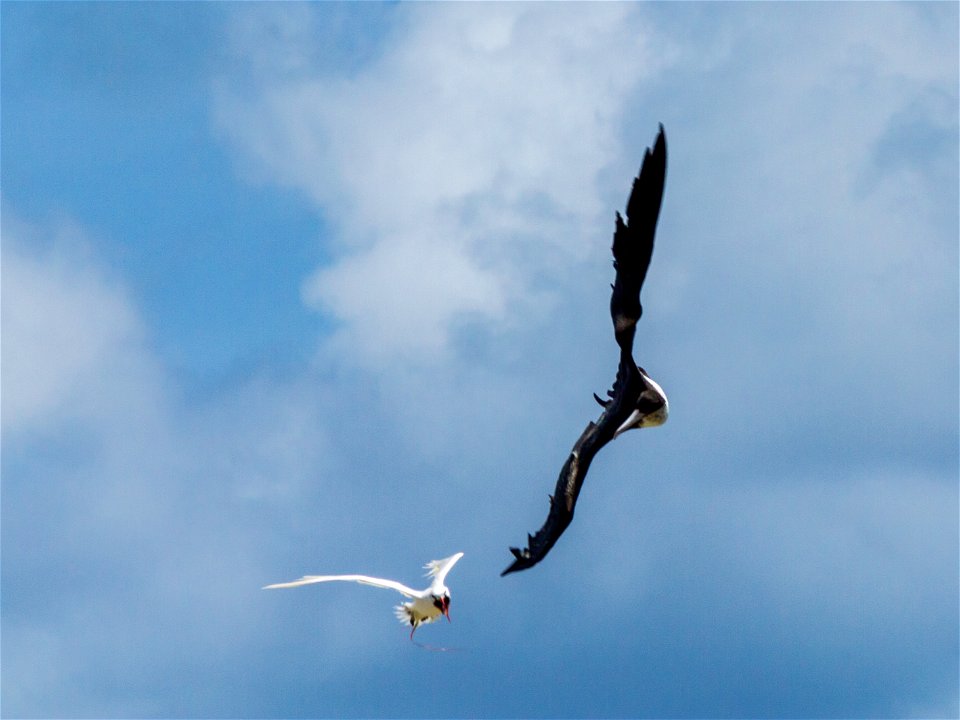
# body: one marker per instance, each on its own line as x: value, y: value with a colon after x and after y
x: 364, y: 579
x: 438, y: 569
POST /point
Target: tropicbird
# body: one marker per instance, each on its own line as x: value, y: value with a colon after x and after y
x: 636, y: 400
x: 425, y: 605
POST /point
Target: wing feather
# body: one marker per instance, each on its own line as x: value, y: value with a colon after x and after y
x: 626, y: 390
x: 363, y: 579
x: 633, y: 242
x: 438, y: 569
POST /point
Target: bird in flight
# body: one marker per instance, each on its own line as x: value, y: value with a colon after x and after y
x: 425, y: 606
x: 636, y: 400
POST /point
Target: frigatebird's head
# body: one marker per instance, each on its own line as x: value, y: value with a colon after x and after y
x: 652, y: 408
x: 442, y: 603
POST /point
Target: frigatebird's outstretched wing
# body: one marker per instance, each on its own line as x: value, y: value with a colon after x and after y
x: 633, y: 242
x: 634, y: 395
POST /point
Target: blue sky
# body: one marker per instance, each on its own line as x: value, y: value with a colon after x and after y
x: 296, y: 289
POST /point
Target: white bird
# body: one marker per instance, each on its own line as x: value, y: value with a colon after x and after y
x: 425, y: 605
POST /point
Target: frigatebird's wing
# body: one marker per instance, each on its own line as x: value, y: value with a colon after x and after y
x: 624, y: 398
x: 364, y: 579
x: 632, y: 249
x: 633, y: 242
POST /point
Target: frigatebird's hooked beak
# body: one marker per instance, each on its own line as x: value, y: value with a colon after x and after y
x: 630, y: 422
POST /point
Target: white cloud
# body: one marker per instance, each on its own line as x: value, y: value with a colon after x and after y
x: 812, y: 268
x: 471, y: 143
x: 138, y: 520
x: 66, y: 327
x: 397, y: 305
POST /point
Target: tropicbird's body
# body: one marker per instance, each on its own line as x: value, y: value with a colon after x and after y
x: 425, y: 606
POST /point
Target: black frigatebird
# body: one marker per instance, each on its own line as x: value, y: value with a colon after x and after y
x: 635, y: 401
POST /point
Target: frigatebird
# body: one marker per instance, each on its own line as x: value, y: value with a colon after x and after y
x: 636, y: 400
x: 425, y: 606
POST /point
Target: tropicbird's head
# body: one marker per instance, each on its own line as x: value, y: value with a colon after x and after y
x: 442, y: 603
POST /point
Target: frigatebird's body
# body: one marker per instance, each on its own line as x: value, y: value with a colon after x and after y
x: 636, y: 400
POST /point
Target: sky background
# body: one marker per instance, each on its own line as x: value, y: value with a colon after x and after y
x: 295, y: 289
